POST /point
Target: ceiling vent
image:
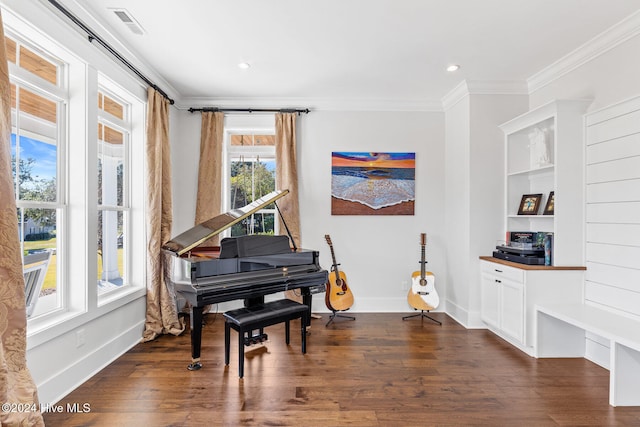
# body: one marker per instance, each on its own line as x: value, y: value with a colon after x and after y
x: 128, y: 20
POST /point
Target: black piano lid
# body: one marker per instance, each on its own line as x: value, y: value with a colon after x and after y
x: 216, y: 225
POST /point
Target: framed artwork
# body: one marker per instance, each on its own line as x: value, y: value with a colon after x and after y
x: 372, y: 183
x: 548, y: 208
x: 529, y: 204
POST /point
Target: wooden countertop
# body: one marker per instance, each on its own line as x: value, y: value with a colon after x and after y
x: 530, y: 267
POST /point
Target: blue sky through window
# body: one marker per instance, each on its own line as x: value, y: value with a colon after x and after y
x: 270, y: 165
x: 45, y: 156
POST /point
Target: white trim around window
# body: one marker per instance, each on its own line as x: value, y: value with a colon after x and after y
x: 78, y: 178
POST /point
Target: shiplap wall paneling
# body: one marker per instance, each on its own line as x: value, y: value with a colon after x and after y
x: 616, y: 213
x: 613, y: 207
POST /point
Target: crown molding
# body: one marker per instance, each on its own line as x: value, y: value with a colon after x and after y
x: 315, y: 104
x: 455, y: 95
x: 605, y: 41
x: 478, y: 87
x: 109, y: 35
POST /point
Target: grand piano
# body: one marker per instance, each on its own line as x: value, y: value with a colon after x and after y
x: 244, y: 267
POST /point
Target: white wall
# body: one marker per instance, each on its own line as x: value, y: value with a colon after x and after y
x: 377, y: 253
x: 60, y: 365
x: 612, y: 200
x: 487, y: 182
x: 474, y: 193
x: 185, y: 156
x: 612, y: 215
x: 457, y: 206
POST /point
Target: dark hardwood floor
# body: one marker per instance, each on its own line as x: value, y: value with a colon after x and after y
x: 375, y: 371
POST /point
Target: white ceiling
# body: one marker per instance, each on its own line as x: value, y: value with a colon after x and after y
x: 349, y: 50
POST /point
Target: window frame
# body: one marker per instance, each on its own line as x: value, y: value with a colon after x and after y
x: 59, y: 94
x: 238, y: 124
x: 78, y: 178
x: 124, y: 127
x: 133, y: 207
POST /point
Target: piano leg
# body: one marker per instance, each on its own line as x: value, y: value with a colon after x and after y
x: 196, y: 337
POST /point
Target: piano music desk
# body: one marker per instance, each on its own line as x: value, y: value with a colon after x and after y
x: 248, y: 319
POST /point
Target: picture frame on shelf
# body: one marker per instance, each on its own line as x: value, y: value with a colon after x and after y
x: 548, y: 208
x: 529, y: 204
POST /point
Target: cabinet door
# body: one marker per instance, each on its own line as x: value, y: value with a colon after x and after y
x: 512, y: 309
x: 490, y: 300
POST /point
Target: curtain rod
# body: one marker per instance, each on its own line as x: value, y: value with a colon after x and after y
x: 93, y: 36
x: 250, y: 110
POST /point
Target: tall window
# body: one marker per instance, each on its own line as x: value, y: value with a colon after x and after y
x: 252, y: 173
x: 113, y: 191
x: 77, y: 149
x: 38, y: 106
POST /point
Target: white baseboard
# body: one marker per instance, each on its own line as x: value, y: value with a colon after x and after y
x: 468, y: 319
x: 56, y: 387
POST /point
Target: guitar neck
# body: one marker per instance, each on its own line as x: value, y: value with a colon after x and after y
x: 422, y: 264
x: 335, y: 263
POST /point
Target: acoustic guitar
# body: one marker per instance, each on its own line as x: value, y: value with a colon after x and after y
x: 423, y: 295
x: 338, y: 296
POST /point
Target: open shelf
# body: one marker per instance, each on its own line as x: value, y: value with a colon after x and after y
x: 542, y: 148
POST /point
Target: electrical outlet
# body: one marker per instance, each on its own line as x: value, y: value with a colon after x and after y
x: 80, y: 338
x: 405, y: 285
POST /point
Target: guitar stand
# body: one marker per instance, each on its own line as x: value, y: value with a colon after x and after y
x: 335, y: 314
x: 422, y: 316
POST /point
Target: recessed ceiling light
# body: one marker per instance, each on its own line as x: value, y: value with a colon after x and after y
x: 244, y: 65
x: 453, y: 67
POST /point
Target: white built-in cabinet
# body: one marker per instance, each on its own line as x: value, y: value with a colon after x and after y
x: 503, y: 299
x: 543, y: 153
x: 509, y: 293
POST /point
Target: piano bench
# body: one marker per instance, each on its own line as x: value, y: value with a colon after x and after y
x: 248, y: 319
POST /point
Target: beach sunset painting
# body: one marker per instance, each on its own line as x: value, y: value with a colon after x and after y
x: 372, y: 183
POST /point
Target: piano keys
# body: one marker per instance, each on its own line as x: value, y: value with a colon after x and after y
x: 245, y: 267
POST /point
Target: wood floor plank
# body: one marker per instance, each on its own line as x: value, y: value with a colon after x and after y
x: 376, y: 371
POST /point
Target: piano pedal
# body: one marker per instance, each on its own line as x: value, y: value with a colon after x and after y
x: 255, y: 339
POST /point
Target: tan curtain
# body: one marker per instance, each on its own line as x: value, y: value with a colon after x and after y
x: 16, y: 384
x: 209, y: 199
x: 287, y: 179
x: 162, y: 313
x: 287, y: 172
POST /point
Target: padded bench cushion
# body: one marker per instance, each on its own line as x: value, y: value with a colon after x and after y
x: 259, y: 316
x: 267, y: 312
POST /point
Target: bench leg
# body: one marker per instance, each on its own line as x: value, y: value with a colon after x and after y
x: 287, y: 335
x: 624, y: 376
x: 245, y: 334
x: 303, y: 327
x: 241, y: 353
x: 556, y: 338
x: 227, y: 342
